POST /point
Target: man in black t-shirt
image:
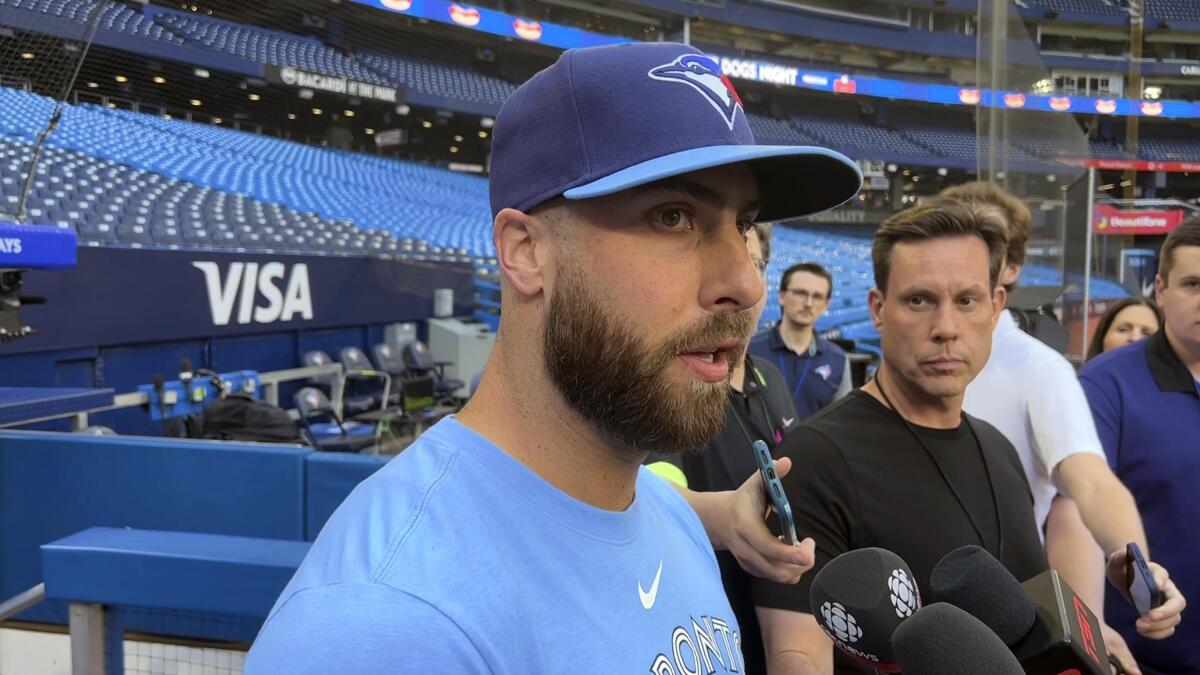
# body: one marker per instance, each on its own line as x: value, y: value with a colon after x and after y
x: 898, y: 464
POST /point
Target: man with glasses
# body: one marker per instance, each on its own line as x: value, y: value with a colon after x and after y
x: 817, y: 371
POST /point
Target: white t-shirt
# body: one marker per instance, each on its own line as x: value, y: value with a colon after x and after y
x: 1031, y: 394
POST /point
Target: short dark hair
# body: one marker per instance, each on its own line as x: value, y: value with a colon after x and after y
x: 810, y: 267
x: 941, y: 219
x: 1187, y: 234
x: 1096, y: 345
x: 1016, y: 215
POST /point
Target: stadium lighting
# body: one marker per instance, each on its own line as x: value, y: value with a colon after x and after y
x: 1050, y: 178
x: 487, y: 122
x: 942, y: 171
x: 121, y: 78
x: 483, y: 134
x: 427, y: 124
x: 291, y: 116
x: 369, y: 132
x: 454, y: 148
x: 159, y: 79
x: 317, y: 111
x: 906, y: 172
x: 916, y: 179
x: 196, y: 102
x: 348, y: 113
x: 217, y: 120
x: 200, y: 72
x: 255, y: 97
x: 1152, y: 93
x: 892, y: 168
x: 92, y: 85
x: 458, y: 138
x: 27, y: 55
x: 402, y: 109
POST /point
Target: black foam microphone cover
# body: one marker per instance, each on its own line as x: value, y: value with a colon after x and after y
x: 941, y: 639
x: 972, y: 579
x: 859, y: 598
x: 1045, y: 625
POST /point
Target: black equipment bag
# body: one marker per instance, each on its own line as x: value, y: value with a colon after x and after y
x: 239, y: 417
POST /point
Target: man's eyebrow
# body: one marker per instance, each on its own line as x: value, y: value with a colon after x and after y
x: 697, y: 191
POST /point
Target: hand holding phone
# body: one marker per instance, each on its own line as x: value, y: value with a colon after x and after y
x: 1143, y: 590
x: 766, y: 468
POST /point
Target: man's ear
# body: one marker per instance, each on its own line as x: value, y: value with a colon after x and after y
x: 999, y: 302
x: 1160, y: 287
x: 875, y: 303
x: 522, y: 249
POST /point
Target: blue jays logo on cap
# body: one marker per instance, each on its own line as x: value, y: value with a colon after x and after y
x: 704, y: 75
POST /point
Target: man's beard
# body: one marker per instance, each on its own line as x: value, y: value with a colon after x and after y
x: 616, y: 381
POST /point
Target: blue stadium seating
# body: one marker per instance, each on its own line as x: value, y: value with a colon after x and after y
x: 265, y: 46
x: 1097, y: 7
x: 199, y: 186
x: 1174, y: 10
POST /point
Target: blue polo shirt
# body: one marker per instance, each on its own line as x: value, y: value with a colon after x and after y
x: 1147, y: 409
x: 815, y: 378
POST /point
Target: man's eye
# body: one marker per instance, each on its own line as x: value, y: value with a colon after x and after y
x: 674, y: 219
x: 916, y: 301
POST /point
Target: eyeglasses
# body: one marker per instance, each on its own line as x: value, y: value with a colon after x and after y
x: 804, y: 296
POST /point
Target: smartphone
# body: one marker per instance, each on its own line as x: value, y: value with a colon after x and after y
x: 766, y: 467
x: 1143, y: 589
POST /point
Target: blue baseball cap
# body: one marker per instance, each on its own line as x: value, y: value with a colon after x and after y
x: 605, y: 119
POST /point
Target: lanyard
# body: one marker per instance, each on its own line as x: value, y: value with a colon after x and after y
x: 946, y: 479
x: 803, y: 375
x: 760, y: 392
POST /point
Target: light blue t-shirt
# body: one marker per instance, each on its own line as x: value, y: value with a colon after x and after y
x: 455, y: 558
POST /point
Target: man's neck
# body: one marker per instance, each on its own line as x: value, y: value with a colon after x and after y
x: 1190, y: 356
x: 796, y: 336
x: 917, y: 407
x: 521, y: 412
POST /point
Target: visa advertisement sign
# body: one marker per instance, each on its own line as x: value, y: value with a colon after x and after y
x: 1107, y: 219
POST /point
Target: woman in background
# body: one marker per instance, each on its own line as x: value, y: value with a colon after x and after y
x: 1125, y: 322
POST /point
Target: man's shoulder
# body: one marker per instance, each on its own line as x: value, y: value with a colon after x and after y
x: 1031, y: 353
x: 1117, y: 363
x: 989, y: 435
x: 840, y: 426
x: 386, y: 512
x: 830, y: 347
x: 764, y: 340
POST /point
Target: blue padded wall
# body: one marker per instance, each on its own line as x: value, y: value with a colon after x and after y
x: 53, y: 485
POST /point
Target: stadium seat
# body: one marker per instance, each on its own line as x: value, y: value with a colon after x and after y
x: 419, y: 361
x: 334, y: 435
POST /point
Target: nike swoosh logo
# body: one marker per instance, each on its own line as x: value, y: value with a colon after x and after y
x: 787, y: 421
x: 648, y: 597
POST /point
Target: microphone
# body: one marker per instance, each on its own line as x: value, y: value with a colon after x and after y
x: 185, y: 370
x: 941, y: 639
x: 1047, y: 627
x: 859, y: 598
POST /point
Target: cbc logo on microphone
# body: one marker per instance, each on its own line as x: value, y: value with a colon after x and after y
x: 840, y: 622
x: 904, y: 594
